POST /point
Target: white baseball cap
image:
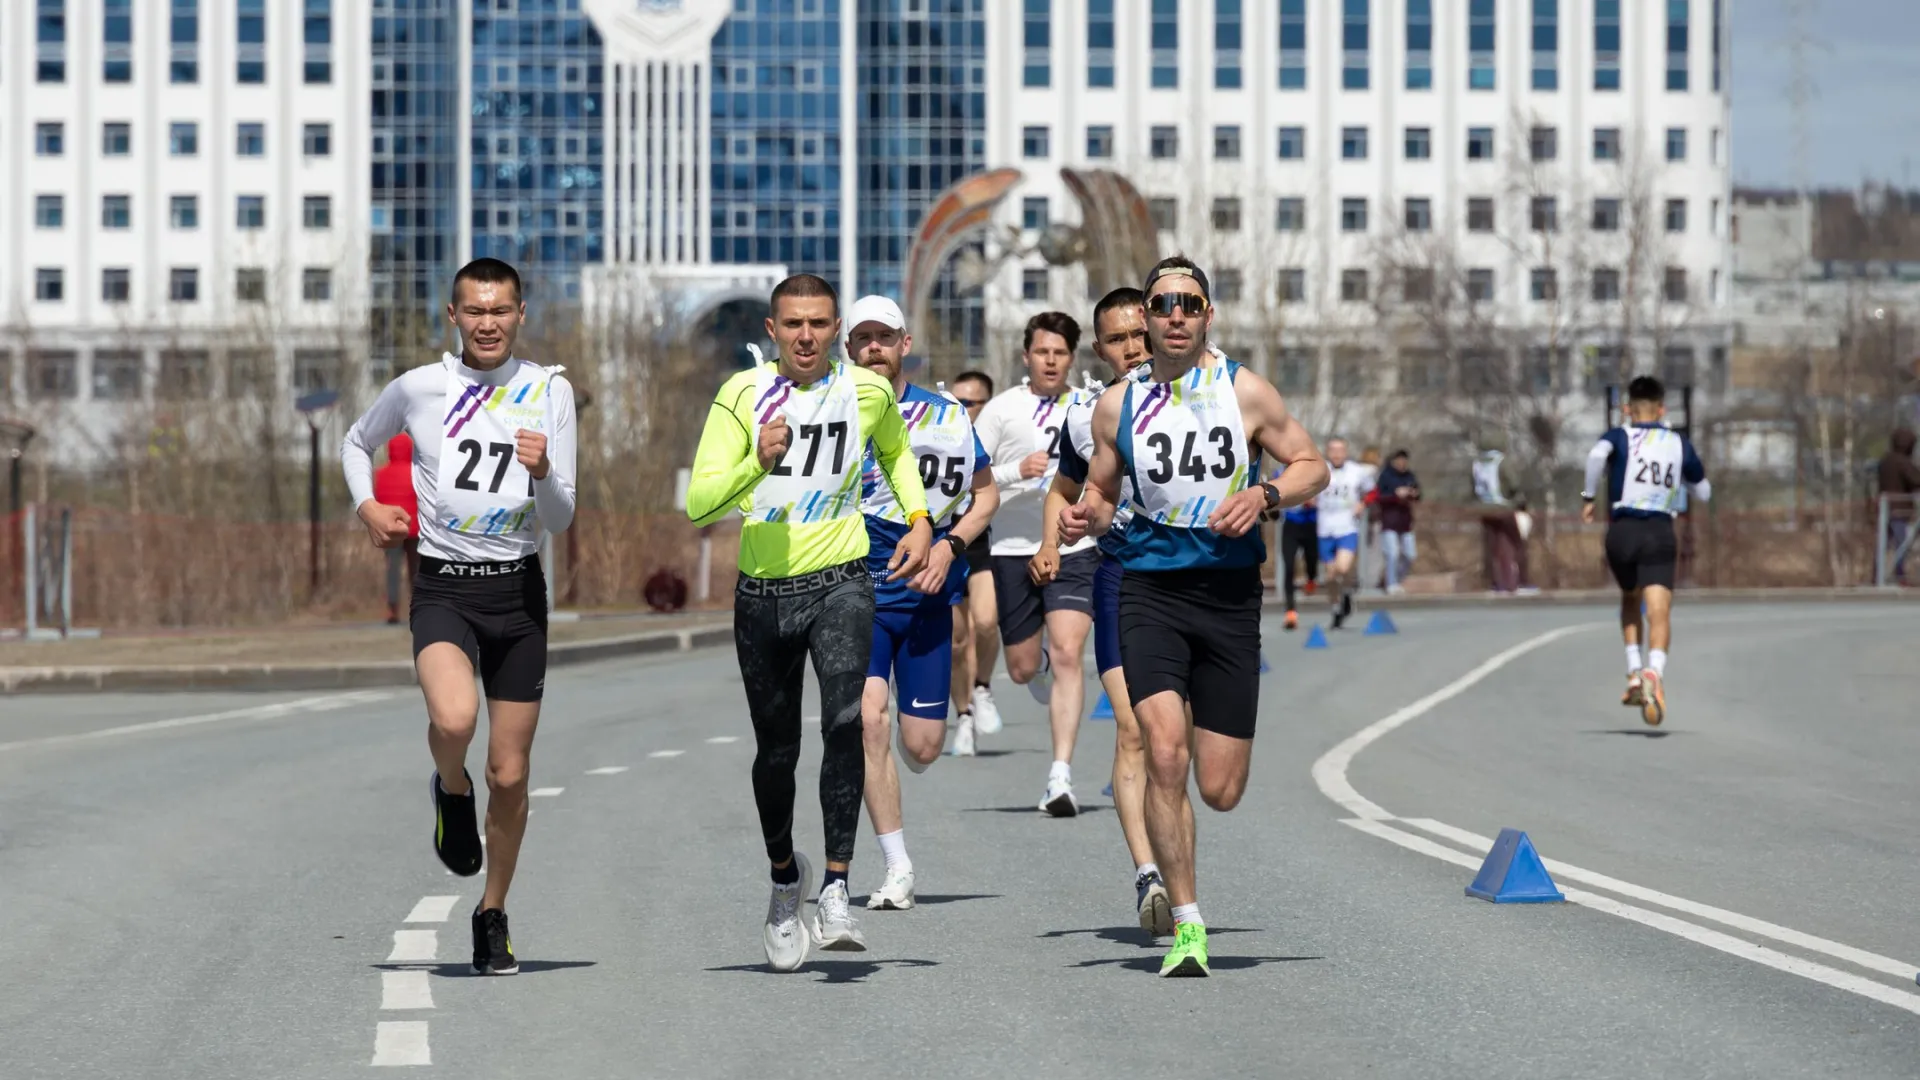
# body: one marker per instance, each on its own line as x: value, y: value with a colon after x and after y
x: 873, y: 308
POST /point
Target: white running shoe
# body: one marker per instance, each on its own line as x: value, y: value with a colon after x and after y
x: 786, y: 932
x: 1059, y: 800
x: 894, y: 894
x: 962, y: 738
x: 833, y: 926
x: 900, y: 744
x: 1041, y: 685
x: 986, y: 715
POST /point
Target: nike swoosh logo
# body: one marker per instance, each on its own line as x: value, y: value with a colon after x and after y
x: 918, y: 704
x: 1073, y: 598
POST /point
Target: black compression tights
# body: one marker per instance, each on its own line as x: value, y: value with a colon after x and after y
x: 1298, y: 538
x: 774, y: 636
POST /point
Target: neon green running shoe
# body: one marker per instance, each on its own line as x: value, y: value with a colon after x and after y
x: 1188, y: 959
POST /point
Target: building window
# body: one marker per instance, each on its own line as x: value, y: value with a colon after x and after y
x: 316, y: 212
x: 49, y: 139
x: 183, y: 375
x: 1606, y: 44
x: 52, y: 375
x: 1353, y: 143
x: 1480, y: 286
x: 316, y: 140
x: 1099, y: 43
x: 1416, y: 284
x: 1718, y: 33
x: 1165, y: 41
x: 116, y: 375
x: 1419, y: 215
x: 49, y: 211
x: 50, y: 41
x: 1606, y: 285
x: 250, y: 31
x: 250, y: 212
x: 1226, y: 142
x: 116, y: 40
x: 1676, y: 285
x: 183, y: 139
x: 1226, y: 214
x: 1715, y: 143
x: 1544, y: 283
x: 1606, y: 215
x: 1713, y: 289
x: 1290, y: 214
x: 1546, y: 44
x: 250, y: 285
x: 1480, y: 144
x: 184, y: 211
x: 317, y: 35
x: 316, y: 284
x: 1544, y: 215
x: 1419, y: 44
x: 1292, y: 285
x: 1033, y: 284
x: 1353, y: 286
x: 1164, y: 143
x: 1037, y: 37
x: 315, y: 369
x: 1678, y: 17
x: 250, y: 140
x: 1543, y: 143
x: 1480, y: 215
x: 1033, y: 213
x: 183, y: 35
x: 115, y: 286
x: 1292, y: 143
x: 1293, y: 44
x: 49, y: 284
x: 1677, y: 144
x: 1480, y: 42
x: 1419, y: 143
x: 1606, y: 144
x: 1355, y: 44
x: 116, y: 140
x: 1713, y: 218
x: 1676, y: 215
x: 116, y: 211
x: 250, y: 374
x: 1165, y: 213
x: 1353, y: 215
x: 1100, y: 141
x: 1033, y: 142
x: 1226, y: 44
x: 1227, y: 286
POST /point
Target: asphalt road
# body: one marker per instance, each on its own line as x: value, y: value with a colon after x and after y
x: 211, y: 886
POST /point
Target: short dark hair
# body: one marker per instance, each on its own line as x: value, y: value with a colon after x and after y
x: 1053, y: 322
x: 1178, y: 264
x: 1121, y: 297
x: 1398, y: 453
x: 975, y: 376
x: 487, y: 272
x: 1646, y: 388
x: 803, y: 285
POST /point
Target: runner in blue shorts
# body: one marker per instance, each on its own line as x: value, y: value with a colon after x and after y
x: 913, y: 620
x: 1339, y: 517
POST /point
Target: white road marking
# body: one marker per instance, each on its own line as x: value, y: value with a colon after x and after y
x: 401, y: 1042
x: 666, y: 753
x: 1330, y: 775
x: 432, y: 909
x: 721, y: 740
x: 414, y: 946
x: 325, y: 703
x: 545, y: 792
x: 607, y: 770
x: 405, y: 990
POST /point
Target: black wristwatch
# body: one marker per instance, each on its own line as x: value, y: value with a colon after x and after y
x: 1273, y: 496
x: 959, y: 547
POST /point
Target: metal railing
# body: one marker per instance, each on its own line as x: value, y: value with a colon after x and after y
x: 1887, y: 555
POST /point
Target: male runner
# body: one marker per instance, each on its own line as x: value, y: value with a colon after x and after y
x: 1186, y: 443
x: 493, y: 458
x: 1650, y: 462
x: 913, y: 630
x: 976, y: 629
x: 1021, y: 430
x: 783, y: 443
x: 1338, y: 511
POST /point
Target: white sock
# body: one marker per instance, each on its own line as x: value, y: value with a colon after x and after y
x: 893, y: 845
x: 1144, y: 869
x: 1062, y: 771
x: 1633, y: 659
x: 1188, y: 913
x: 1657, y: 660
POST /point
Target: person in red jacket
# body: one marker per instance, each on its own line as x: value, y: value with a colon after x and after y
x: 393, y: 486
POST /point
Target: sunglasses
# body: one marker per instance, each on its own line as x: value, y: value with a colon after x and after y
x: 971, y: 403
x: 1163, y: 304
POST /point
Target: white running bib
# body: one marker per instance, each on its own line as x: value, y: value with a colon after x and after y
x: 941, y: 439
x: 1655, y: 458
x: 1189, y: 446
x: 481, y: 488
x: 818, y: 478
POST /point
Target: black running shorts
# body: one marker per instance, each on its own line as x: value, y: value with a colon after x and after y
x: 980, y: 552
x: 1196, y: 633
x: 1024, y: 605
x: 495, y: 612
x: 1642, y: 551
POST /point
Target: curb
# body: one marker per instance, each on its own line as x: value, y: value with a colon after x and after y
x: 288, y: 677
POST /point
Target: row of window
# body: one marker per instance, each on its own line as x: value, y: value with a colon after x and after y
x: 183, y: 41
x: 1290, y: 214
x: 180, y: 375
x: 1416, y: 285
x: 1543, y: 143
x: 183, y: 139
x: 1542, y: 40
x: 183, y: 284
x: 183, y: 212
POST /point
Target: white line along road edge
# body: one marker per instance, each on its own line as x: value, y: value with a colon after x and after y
x: 1330, y: 775
x: 323, y: 703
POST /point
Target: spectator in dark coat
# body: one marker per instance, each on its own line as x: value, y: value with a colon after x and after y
x: 1397, y: 490
x: 1900, y: 479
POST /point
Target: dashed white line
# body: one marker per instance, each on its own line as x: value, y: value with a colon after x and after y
x: 414, y: 946
x: 405, y: 990
x: 545, y: 792
x: 607, y: 770
x: 666, y: 753
x: 722, y: 740
x: 432, y: 909
x: 401, y: 1042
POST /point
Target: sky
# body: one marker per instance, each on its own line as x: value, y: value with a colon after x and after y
x: 1863, y: 117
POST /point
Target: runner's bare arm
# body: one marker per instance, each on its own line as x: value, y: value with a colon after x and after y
x: 1093, y: 514
x: 986, y: 502
x: 1280, y: 434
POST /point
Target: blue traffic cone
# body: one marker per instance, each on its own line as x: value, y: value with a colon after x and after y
x: 1264, y: 666
x: 1103, y: 709
x: 1317, y: 639
x: 1381, y: 623
x: 1514, y: 874
x: 1107, y: 791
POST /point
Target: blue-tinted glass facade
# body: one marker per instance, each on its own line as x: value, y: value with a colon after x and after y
x: 1036, y: 39
x: 183, y: 42
x: 1480, y: 44
x: 776, y: 135
x: 1679, y: 23
x: 1293, y: 44
x: 116, y: 39
x: 1606, y: 44
x: 536, y: 144
x: 1226, y: 44
x: 1165, y: 57
x: 1355, y: 43
x: 1718, y: 33
x: 1546, y: 44
x: 1099, y: 43
x: 414, y: 183
x: 1419, y: 44
x: 316, y: 36
x: 50, y: 41
x: 250, y: 36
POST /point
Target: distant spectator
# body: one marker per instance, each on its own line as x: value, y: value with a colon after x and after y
x: 1398, y: 489
x: 1503, y: 541
x: 1899, y: 478
x: 393, y: 486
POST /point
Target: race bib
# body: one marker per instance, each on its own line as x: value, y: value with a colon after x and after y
x: 818, y: 478
x: 481, y: 487
x: 941, y: 440
x: 1189, y: 446
x: 1655, y: 457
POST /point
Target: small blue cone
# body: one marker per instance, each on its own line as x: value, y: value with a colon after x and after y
x: 1513, y: 873
x: 1317, y: 639
x: 1381, y: 623
x: 1107, y: 791
x: 1103, y: 709
x: 1264, y: 666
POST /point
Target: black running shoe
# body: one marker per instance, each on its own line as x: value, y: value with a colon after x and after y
x: 492, y: 946
x: 456, y: 832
